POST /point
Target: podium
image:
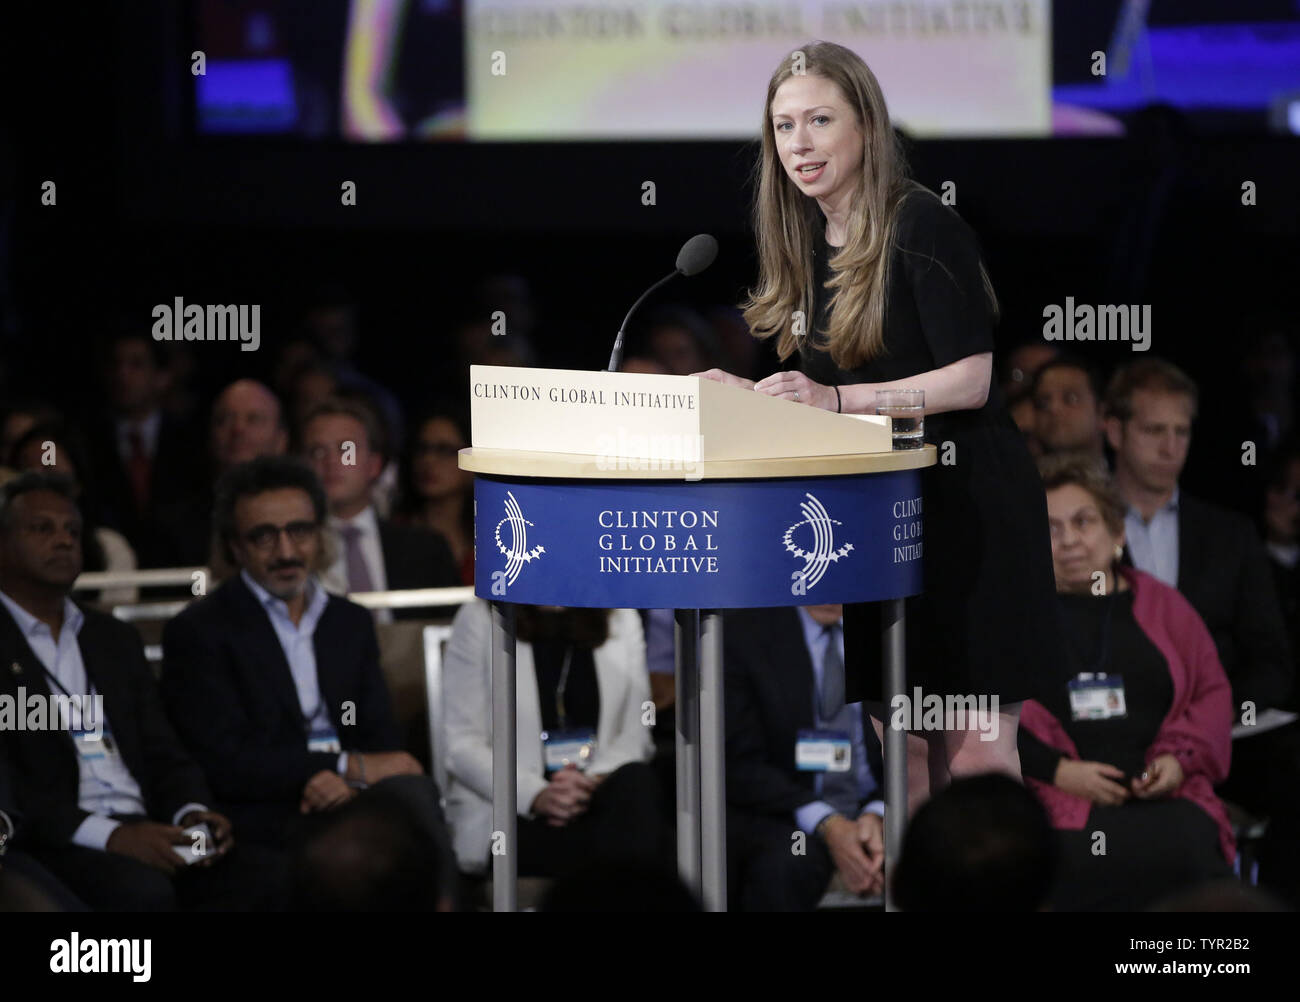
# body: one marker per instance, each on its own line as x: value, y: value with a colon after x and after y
x: 621, y: 490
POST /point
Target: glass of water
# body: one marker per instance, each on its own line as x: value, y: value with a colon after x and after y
x: 906, y: 409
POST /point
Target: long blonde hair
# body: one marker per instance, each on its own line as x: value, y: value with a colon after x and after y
x: 784, y: 222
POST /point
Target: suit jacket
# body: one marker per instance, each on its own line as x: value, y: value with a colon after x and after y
x: 228, y: 687
x: 416, y: 557
x: 1223, y: 570
x: 45, y: 770
x: 769, y: 691
x: 176, y: 479
x: 621, y: 737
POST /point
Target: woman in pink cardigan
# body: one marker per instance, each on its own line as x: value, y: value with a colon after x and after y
x: 1125, y: 746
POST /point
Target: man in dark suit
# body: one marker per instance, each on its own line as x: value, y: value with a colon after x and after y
x: 1216, y: 559
x: 344, y: 442
x: 246, y: 421
x: 105, y: 787
x: 790, y: 829
x: 275, y: 684
x: 146, y: 461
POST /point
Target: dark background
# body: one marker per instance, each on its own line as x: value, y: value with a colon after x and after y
x: 97, y: 100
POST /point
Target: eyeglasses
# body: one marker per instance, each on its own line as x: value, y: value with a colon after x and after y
x: 263, y: 537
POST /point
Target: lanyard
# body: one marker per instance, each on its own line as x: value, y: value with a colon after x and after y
x: 59, y: 685
x: 107, y: 734
x: 561, y: 685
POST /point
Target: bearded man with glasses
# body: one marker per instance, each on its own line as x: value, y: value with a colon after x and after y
x: 275, y: 684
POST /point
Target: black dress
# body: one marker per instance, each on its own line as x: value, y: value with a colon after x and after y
x: 987, y: 621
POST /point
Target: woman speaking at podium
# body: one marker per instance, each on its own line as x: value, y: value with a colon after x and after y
x: 896, y: 297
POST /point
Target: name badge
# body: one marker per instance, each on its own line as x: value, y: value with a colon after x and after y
x: 324, y: 740
x: 570, y: 747
x: 823, y: 751
x: 1097, y: 697
x: 92, y: 746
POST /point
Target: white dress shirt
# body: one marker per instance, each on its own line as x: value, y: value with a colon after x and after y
x: 1154, y: 545
x: 148, y: 435
x: 298, y: 644
x: 107, y: 786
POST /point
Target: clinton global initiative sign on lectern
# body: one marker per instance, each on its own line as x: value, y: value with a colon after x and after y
x: 761, y: 542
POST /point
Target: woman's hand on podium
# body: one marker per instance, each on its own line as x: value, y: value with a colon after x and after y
x: 726, y: 378
x: 794, y: 385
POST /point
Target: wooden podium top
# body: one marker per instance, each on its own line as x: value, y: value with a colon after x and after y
x: 570, y: 466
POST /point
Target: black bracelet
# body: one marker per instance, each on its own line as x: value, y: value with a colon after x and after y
x: 838, y: 403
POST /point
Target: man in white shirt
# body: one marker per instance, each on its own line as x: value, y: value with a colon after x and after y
x: 106, y: 787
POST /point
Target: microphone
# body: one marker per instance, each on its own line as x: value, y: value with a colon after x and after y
x: 696, y: 254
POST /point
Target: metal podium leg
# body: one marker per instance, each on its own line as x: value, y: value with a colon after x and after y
x: 686, y: 634
x: 504, y: 780
x: 895, y: 658
x: 713, y: 779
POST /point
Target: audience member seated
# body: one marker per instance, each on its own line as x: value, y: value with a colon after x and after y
x: 106, y: 791
x: 1215, y: 558
x: 1067, y: 408
x: 146, y: 459
x: 368, y: 856
x: 1126, y: 744
x: 436, y: 493
x: 344, y: 442
x: 1021, y: 364
x: 784, y: 681
x: 25, y: 885
x: 54, y: 447
x: 1018, y: 368
x: 680, y: 340
x: 982, y: 844
x: 246, y: 421
x: 274, y: 683
x: 586, y: 792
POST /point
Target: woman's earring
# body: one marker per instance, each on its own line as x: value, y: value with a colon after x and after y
x: 1119, y: 551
